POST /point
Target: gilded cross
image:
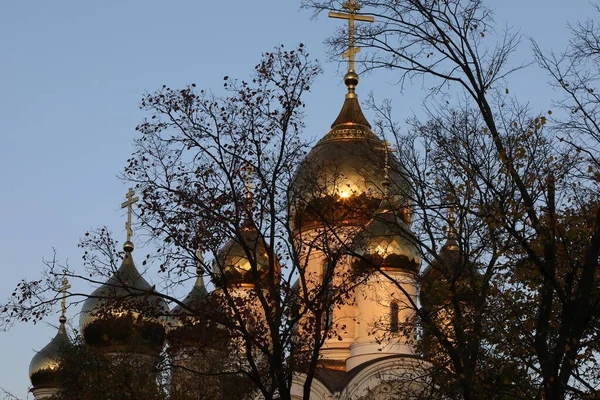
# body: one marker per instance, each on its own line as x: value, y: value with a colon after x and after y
x: 200, y: 256
x: 129, y: 203
x: 451, y: 222
x: 352, y: 7
x: 248, y: 169
x: 63, y: 289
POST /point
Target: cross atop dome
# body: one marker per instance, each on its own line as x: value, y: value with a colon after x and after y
x: 63, y: 302
x: 352, y: 7
x: 451, y: 241
x: 248, y: 169
x: 131, y: 200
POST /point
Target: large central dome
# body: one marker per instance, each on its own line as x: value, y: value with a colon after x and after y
x: 342, y: 180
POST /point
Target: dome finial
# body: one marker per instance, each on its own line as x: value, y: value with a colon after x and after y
x: 200, y: 264
x: 129, y: 204
x: 451, y: 222
x: 386, y: 202
x: 43, y: 368
x: 63, y: 302
x: 249, y: 186
x: 351, y: 78
x: 350, y: 123
x: 247, y: 221
x: 352, y: 7
x: 451, y: 243
x: 386, y: 147
x: 200, y: 258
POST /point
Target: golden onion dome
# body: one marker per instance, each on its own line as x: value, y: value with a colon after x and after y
x: 197, y: 322
x: 123, y: 314
x: 186, y: 325
x: 387, y: 243
x: 342, y: 178
x: 44, y: 365
x: 243, y: 260
x: 196, y: 299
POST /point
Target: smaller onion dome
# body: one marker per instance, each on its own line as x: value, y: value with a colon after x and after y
x: 449, y: 265
x: 190, y: 322
x: 448, y: 279
x: 447, y: 259
x: 387, y: 243
x: 43, y: 368
x: 196, y: 300
x: 235, y: 261
x: 123, y: 314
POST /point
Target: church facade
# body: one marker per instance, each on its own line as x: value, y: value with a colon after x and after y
x: 372, y: 351
x: 369, y: 355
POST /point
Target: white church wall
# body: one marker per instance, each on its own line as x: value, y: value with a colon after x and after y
x: 374, y: 335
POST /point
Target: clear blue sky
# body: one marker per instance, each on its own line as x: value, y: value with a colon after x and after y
x: 71, y: 77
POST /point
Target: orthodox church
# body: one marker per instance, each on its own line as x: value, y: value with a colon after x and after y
x: 372, y: 350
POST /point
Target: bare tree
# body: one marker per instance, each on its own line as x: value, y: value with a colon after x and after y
x: 523, y: 186
x: 214, y: 174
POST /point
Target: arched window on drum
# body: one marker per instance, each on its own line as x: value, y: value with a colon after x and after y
x: 394, y: 317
